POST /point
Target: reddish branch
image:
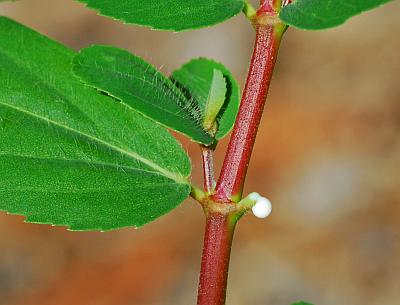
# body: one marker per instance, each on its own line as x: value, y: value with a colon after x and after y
x: 208, y: 169
x: 215, y: 259
x: 231, y: 181
x: 220, y: 222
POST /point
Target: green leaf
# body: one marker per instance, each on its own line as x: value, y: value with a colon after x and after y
x: 215, y: 99
x: 196, y: 77
x: 140, y: 86
x: 176, y: 15
x: 302, y: 303
x: 318, y: 14
x: 72, y: 156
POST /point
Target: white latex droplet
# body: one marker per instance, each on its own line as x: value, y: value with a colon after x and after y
x: 254, y: 196
x: 262, y: 208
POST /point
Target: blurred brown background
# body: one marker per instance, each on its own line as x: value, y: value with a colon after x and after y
x: 328, y: 156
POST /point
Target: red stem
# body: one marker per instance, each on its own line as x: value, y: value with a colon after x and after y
x: 220, y: 222
x: 215, y: 260
x: 230, y: 184
x: 208, y: 169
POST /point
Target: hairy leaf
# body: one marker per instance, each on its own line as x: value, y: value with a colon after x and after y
x: 176, y: 15
x: 72, y: 156
x: 196, y: 77
x: 140, y: 86
x: 318, y: 14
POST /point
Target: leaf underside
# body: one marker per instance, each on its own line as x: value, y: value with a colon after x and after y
x: 318, y: 15
x: 176, y: 15
x: 196, y: 77
x: 72, y: 156
x: 215, y: 100
x: 140, y: 86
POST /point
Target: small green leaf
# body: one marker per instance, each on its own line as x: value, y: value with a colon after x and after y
x: 215, y: 100
x: 323, y: 14
x: 176, y: 15
x: 72, y: 156
x: 302, y: 303
x: 196, y: 77
x: 140, y: 86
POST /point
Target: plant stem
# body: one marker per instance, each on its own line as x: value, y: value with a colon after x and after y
x: 230, y: 184
x: 220, y: 219
x: 215, y: 260
x: 208, y: 169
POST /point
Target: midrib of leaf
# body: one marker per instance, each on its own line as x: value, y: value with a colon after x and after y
x: 80, y: 191
x: 104, y: 165
x: 175, y: 177
x: 133, y: 77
